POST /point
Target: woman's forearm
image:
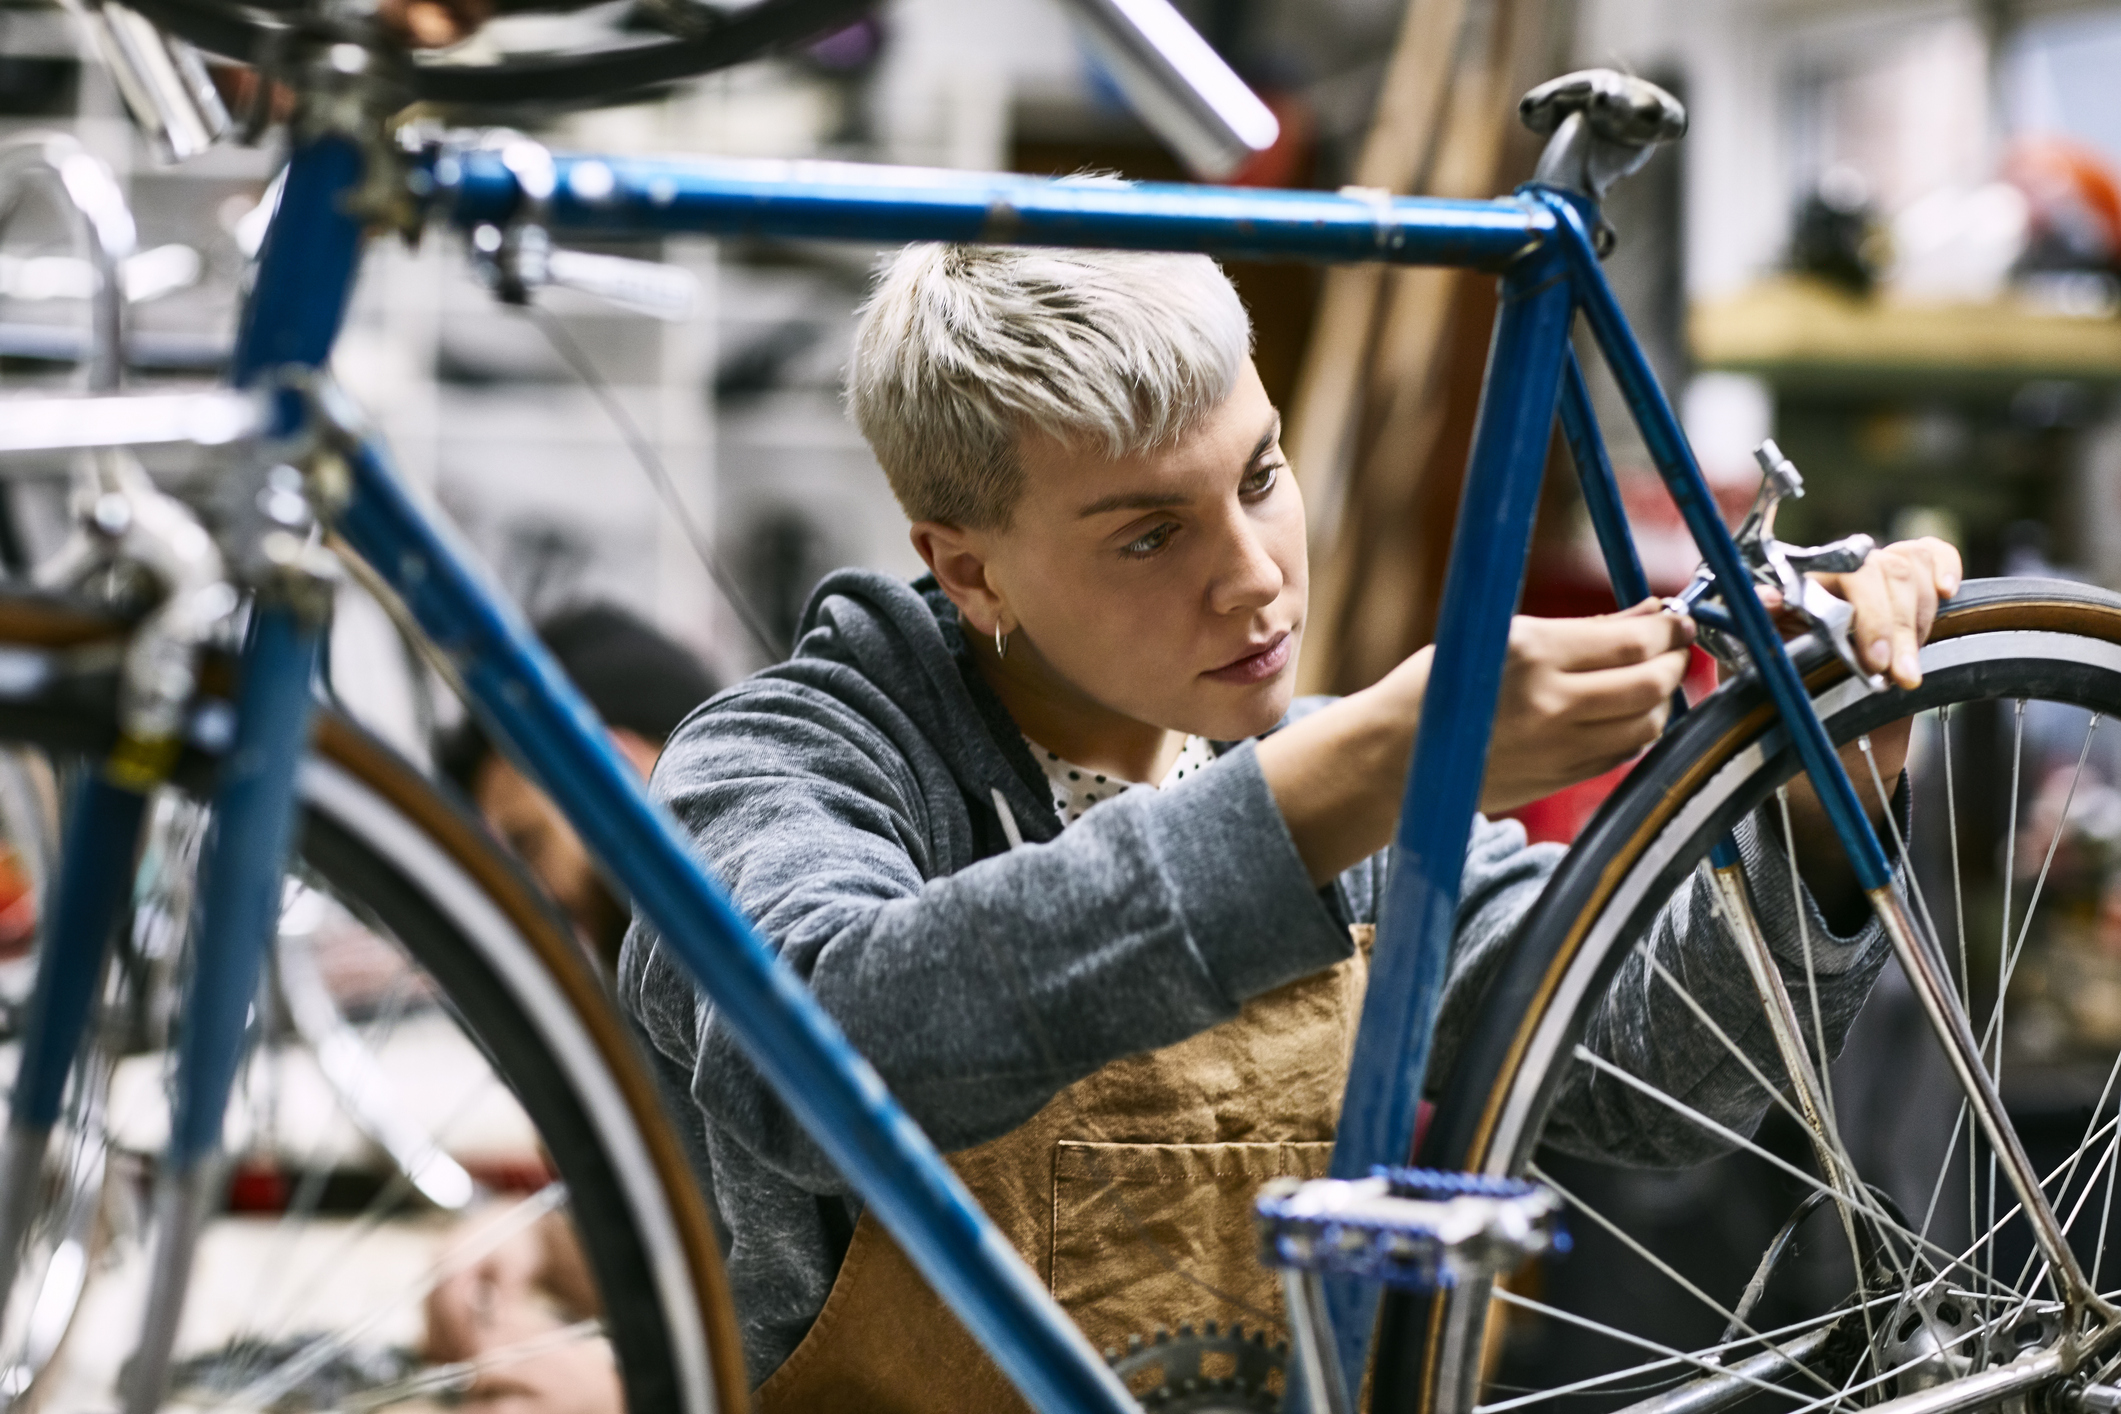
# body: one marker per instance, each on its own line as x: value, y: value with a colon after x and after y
x: 1336, y: 776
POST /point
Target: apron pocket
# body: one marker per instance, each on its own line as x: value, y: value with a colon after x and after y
x: 1149, y: 1235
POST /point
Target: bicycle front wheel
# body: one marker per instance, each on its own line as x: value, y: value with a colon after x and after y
x: 437, y: 1090
x: 1728, y: 1250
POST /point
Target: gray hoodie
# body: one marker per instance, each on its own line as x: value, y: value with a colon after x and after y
x: 846, y: 799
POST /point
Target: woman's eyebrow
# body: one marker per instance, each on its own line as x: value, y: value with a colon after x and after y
x: 1132, y: 501
x: 1266, y: 441
x: 1161, y: 500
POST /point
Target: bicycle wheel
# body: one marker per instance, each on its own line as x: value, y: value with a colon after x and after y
x: 1692, y: 1263
x: 442, y: 972
x: 248, y: 33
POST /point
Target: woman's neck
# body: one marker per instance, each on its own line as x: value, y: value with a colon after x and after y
x: 1058, y: 716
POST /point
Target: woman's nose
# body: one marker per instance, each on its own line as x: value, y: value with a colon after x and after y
x: 1249, y: 577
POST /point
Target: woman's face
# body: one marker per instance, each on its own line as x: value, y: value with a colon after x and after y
x: 1167, y: 587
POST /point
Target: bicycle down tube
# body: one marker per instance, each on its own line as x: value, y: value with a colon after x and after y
x: 306, y: 270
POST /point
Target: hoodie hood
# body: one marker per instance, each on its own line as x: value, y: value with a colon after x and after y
x: 907, y: 642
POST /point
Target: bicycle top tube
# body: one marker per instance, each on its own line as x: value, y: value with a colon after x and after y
x: 613, y: 196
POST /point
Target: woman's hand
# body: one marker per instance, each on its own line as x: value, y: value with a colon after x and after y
x: 1581, y: 696
x: 432, y: 24
x: 523, y: 1292
x: 1895, y: 595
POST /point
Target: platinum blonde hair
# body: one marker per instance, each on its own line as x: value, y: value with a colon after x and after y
x: 961, y: 350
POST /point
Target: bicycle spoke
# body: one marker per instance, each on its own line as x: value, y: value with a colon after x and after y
x: 2032, y: 904
x: 1773, y: 1091
x: 1710, y: 1352
x: 1811, y: 974
x: 1894, y: 1373
x: 2106, y: 1208
x: 1730, y: 1317
x: 1987, y: 1238
x: 1951, y: 816
x: 308, y: 1193
x: 1737, y: 1140
x: 1512, y: 1298
x: 275, y: 1383
x: 2105, y: 1159
x: 2010, y: 873
x: 459, y: 1376
x: 373, y: 1215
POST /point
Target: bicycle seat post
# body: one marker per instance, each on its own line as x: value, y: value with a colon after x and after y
x: 1600, y: 125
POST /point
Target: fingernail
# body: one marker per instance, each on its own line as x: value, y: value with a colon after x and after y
x: 1950, y: 586
x: 1909, y: 668
x: 1881, y: 654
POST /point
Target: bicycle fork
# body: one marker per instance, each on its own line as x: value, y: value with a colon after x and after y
x: 254, y: 808
x: 95, y: 880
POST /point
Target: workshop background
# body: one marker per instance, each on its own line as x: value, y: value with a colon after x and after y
x: 1891, y: 240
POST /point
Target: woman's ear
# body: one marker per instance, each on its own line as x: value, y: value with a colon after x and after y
x: 958, y: 559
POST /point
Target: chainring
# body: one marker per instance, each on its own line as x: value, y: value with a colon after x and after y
x: 1205, y: 1371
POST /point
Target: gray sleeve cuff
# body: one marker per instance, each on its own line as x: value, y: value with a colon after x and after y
x: 1245, y: 896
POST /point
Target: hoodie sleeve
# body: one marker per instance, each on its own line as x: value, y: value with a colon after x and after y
x: 1640, y: 1023
x: 981, y: 993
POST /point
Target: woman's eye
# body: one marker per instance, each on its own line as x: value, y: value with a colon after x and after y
x: 1260, y: 482
x: 1150, y: 543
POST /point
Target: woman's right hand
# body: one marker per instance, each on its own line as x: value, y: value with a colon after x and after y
x: 1581, y: 696
x: 1578, y: 697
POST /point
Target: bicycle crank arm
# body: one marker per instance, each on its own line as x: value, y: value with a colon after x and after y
x: 1926, y: 973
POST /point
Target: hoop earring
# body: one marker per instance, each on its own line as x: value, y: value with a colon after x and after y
x: 1001, y: 641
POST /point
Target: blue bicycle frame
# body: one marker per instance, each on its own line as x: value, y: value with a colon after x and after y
x: 1536, y: 241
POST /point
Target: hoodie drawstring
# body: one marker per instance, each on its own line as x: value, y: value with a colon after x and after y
x: 1001, y: 808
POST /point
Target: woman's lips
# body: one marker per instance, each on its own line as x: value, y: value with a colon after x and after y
x: 1258, y: 665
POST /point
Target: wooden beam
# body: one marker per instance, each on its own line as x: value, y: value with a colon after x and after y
x: 1374, y: 593
x: 1395, y: 152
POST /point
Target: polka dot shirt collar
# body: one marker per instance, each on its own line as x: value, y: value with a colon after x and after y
x: 1076, y: 788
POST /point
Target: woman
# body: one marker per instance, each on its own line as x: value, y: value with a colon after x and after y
x: 1048, y: 835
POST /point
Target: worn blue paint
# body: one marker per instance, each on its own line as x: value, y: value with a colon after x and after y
x: 615, y: 196
x: 253, y: 826
x: 551, y: 733
x: 94, y: 885
x: 1675, y: 463
x: 1486, y: 575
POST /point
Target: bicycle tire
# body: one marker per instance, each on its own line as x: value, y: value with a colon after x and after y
x: 249, y: 34
x: 1996, y: 639
x: 508, y: 965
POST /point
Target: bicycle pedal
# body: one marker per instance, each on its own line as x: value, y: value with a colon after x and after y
x: 1404, y: 1227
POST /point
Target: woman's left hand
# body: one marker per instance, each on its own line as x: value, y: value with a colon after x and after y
x: 1895, y: 595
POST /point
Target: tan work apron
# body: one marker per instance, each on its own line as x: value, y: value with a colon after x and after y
x: 1130, y: 1194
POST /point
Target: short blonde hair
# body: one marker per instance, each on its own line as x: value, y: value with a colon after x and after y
x: 961, y: 350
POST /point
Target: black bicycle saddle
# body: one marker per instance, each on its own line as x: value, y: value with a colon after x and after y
x: 1617, y: 107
